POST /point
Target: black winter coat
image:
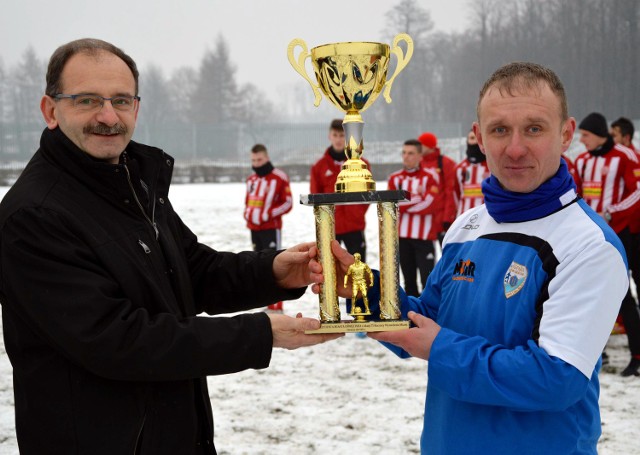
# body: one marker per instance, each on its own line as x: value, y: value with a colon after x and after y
x: 99, y: 311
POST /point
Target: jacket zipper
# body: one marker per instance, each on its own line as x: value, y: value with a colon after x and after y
x: 144, y: 246
x: 135, y: 196
x: 135, y: 447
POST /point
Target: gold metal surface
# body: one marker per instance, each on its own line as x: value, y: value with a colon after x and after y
x: 351, y: 75
x: 298, y: 65
x: 403, y: 59
x: 325, y: 233
x: 354, y: 176
x: 389, y: 256
x: 359, y: 272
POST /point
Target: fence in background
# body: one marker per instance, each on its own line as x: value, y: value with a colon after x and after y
x: 206, y: 153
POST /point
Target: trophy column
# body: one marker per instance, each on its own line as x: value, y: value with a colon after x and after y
x: 325, y: 233
x: 389, y: 258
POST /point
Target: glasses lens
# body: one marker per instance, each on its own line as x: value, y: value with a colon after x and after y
x: 87, y: 102
x: 123, y: 103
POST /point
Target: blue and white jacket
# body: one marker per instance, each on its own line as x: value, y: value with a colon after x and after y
x: 526, y: 293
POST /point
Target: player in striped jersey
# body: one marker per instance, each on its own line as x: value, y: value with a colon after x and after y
x: 416, y: 226
x: 268, y: 198
x: 610, y: 173
x: 622, y: 131
x: 470, y: 173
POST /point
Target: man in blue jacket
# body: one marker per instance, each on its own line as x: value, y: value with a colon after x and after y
x: 516, y: 314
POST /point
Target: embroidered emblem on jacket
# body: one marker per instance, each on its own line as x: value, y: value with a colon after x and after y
x: 464, y: 271
x: 514, y: 279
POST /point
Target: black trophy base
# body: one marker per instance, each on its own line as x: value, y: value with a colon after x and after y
x: 357, y: 197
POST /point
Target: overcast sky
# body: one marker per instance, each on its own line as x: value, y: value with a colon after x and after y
x: 173, y: 33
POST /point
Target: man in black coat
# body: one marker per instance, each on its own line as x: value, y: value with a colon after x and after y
x: 101, y: 282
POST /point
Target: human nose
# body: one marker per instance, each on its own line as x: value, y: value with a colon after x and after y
x: 516, y: 147
x: 107, y: 114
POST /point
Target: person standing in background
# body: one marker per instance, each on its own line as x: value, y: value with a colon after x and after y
x: 609, y: 173
x: 349, y: 219
x: 470, y: 173
x: 432, y: 158
x: 268, y: 198
x: 416, y: 229
x: 622, y: 131
x: 574, y: 172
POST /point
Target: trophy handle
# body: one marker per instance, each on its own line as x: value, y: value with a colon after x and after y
x: 402, y: 61
x: 299, y: 66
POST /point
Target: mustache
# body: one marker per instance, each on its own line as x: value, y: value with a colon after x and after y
x: 101, y: 128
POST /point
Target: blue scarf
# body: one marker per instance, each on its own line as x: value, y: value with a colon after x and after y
x: 508, y: 207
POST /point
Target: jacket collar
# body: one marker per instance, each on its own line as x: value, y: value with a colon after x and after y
x: 155, y: 166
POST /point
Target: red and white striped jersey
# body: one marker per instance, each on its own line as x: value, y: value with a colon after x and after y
x: 610, y: 184
x: 468, y: 190
x: 417, y: 215
x: 267, y: 199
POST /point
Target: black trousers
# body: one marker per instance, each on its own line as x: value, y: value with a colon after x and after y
x: 354, y: 242
x: 416, y: 255
x: 629, y: 307
x: 268, y: 239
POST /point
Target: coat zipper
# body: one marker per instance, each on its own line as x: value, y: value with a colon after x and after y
x: 135, y: 196
x: 135, y: 447
x: 144, y: 246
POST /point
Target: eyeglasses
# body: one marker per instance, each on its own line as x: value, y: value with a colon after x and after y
x: 88, y: 103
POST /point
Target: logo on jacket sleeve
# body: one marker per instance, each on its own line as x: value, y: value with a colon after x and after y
x: 514, y: 279
x: 464, y: 270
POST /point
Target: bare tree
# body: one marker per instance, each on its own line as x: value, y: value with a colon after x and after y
x: 409, y: 104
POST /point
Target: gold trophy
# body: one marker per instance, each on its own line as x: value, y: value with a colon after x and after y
x: 352, y: 75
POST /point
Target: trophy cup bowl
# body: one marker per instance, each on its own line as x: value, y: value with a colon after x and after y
x: 352, y: 75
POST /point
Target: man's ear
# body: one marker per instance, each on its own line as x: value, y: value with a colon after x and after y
x: 48, y: 107
x: 568, y: 130
x: 476, y: 131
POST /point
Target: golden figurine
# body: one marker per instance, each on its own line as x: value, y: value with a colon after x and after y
x: 358, y: 272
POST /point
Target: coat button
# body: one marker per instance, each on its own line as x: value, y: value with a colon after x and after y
x: 126, y: 201
x: 168, y: 162
x: 161, y: 200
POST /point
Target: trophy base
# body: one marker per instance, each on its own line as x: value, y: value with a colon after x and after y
x: 355, y: 326
x: 360, y: 197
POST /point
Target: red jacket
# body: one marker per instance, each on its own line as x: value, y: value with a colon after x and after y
x: 324, y: 173
x: 468, y: 185
x: 610, y: 184
x: 267, y: 199
x: 417, y: 214
x: 447, y: 174
x: 574, y: 173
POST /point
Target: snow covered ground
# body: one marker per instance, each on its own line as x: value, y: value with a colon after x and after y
x: 349, y: 396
